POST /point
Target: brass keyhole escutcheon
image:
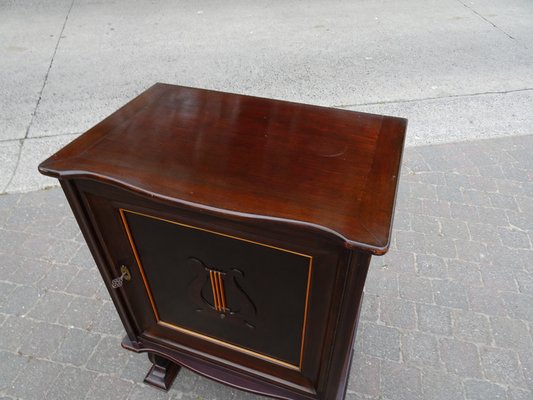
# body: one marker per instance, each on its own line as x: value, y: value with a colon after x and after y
x: 125, y: 272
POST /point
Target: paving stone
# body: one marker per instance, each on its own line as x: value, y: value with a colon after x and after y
x: 511, y: 333
x: 397, y: 261
x: 483, y: 390
x: 499, y: 200
x: 67, y: 229
x: 493, y: 216
x: 81, y: 313
x: 467, y: 273
x: 398, y: 313
x: 370, y: 308
x: 514, y: 259
x: 437, y: 385
x: 471, y: 327
x: 20, y: 300
x: 450, y: 193
x: 208, y: 389
x: 365, y: 375
x: 6, y: 288
x: 524, y: 204
x: 35, y: 379
x: 452, y: 228
x: 30, y: 271
x: 143, y: 392
x: 460, y: 358
x: 434, y: 319
x: 108, y: 321
x: 483, y: 300
x: 514, y: 393
x: 185, y: 382
x: 381, y: 282
x: 61, y: 251
x: 108, y: 357
x: 420, y: 349
x: 13, y: 330
x: 50, y: 306
x: 85, y: 283
x: 518, y: 305
x: 441, y: 246
x: 498, y: 278
x: 471, y: 251
x: 464, y: 212
x: 10, y: 366
x: 11, y: 240
x: 526, y: 360
x: 502, y: 366
x: 43, y: 341
x: 514, y: 238
x: 450, y: 294
x: 435, y: 208
x: 380, y: 341
x: 83, y: 258
x: 400, y: 382
x: 102, y: 293
x: 457, y: 180
x: 525, y: 281
x: 425, y: 224
x: 483, y: 184
x: 422, y: 191
x: 508, y: 186
x: 58, y: 277
x: 416, y: 289
x: 484, y: 233
x: 402, y: 221
x: 73, y: 383
x: 411, y: 241
x: 415, y: 161
x: 107, y: 387
x: 23, y: 218
x: 137, y: 367
x: 476, y: 198
x: 432, y: 178
x: 431, y: 266
x: 10, y: 263
x: 77, y: 347
x: 514, y: 172
x: 35, y: 246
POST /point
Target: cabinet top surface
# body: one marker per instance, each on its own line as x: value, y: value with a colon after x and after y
x: 332, y: 169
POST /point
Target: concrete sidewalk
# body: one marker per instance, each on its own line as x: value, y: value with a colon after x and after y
x: 447, y: 315
x: 458, y: 69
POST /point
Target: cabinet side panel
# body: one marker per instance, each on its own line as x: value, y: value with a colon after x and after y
x: 95, y: 246
x: 341, y: 355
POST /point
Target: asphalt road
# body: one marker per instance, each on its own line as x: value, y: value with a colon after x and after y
x: 458, y: 70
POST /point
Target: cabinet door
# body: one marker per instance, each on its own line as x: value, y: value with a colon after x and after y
x: 240, y: 292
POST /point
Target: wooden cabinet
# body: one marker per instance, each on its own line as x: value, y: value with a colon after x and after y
x: 234, y: 233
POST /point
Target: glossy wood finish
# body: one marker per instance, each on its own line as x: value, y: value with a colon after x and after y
x: 216, y: 203
x: 333, y: 169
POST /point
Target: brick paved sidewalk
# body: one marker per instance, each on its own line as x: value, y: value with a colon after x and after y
x: 448, y: 313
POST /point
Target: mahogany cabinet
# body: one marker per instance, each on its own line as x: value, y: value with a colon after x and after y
x: 234, y: 233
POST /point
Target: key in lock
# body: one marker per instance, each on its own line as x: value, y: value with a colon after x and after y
x: 118, y: 282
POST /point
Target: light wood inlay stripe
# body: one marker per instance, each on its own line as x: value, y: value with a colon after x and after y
x: 222, y: 292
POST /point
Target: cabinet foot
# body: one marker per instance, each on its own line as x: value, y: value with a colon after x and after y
x: 162, y: 372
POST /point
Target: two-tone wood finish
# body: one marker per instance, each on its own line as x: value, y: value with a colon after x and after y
x: 247, y: 227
